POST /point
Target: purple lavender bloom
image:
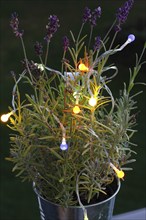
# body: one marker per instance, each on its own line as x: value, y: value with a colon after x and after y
x: 118, y: 28
x: 65, y: 43
x: 14, y: 23
x: 51, y: 27
x: 38, y: 48
x: 86, y: 15
x: 96, y: 13
x: 122, y: 13
x: 97, y: 43
x: 32, y: 67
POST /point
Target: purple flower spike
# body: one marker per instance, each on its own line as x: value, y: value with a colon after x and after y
x: 38, y: 48
x: 122, y: 13
x: 131, y: 38
x: 97, y: 43
x: 14, y: 23
x: 65, y: 43
x: 96, y: 13
x: 86, y: 15
x: 51, y: 27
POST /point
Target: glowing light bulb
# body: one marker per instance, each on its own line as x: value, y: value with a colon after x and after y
x: 83, y: 68
x: 5, y: 117
x: 120, y: 173
x: 63, y: 145
x: 92, y: 101
x: 76, y: 109
x: 85, y: 216
x: 131, y: 38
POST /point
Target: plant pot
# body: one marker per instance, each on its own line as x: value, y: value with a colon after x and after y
x: 100, y: 211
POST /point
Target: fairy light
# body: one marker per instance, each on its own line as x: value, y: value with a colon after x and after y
x: 120, y: 173
x: 76, y: 109
x: 83, y: 68
x: 40, y: 67
x: 85, y: 216
x: 5, y: 117
x: 63, y: 145
x: 92, y: 101
x: 129, y: 40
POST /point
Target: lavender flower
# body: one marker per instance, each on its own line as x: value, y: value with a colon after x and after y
x: 51, y: 27
x: 91, y: 16
x: 14, y: 23
x: 122, y: 13
x: 86, y: 15
x: 65, y: 43
x: 97, y: 43
x: 96, y: 13
x: 32, y: 67
x: 38, y: 48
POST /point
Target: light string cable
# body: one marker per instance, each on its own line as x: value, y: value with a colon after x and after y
x: 63, y: 145
x: 120, y: 174
x: 130, y: 39
x: 14, y: 89
x: 5, y: 117
x: 95, y: 135
x: 103, y: 82
x: 55, y: 71
x: 78, y: 196
x: 65, y: 77
x: 106, y: 87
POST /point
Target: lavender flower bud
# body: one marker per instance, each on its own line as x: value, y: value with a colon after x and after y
x: 122, y: 13
x: 118, y: 28
x: 32, y: 67
x: 14, y: 23
x: 97, y: 43
x: 65, y: 43
x: 51, y: 27
x: 38, y: 48
x: 86, y: 15
x: 96, y: 13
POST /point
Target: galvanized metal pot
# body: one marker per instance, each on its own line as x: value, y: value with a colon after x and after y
x: 100, y: 211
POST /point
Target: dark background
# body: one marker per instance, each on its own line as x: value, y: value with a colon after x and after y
x: 17, y: 200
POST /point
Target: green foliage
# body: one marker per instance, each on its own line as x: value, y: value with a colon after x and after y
x: 96, y: 136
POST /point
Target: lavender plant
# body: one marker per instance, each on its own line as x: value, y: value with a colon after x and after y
x: 71, y: 136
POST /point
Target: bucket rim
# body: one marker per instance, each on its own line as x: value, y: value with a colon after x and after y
x: 78, y: 207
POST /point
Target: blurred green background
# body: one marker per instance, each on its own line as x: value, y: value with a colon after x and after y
x: 17, y: 200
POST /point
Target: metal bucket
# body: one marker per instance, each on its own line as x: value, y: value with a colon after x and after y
x: 100, y: 211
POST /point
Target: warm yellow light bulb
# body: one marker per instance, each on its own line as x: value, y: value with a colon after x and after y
x: 76, y: 109
x: 85, y: 217
x: 92, y: 101
x: 5, y: 117
x: 83, y: 68
x: 119, y: 173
